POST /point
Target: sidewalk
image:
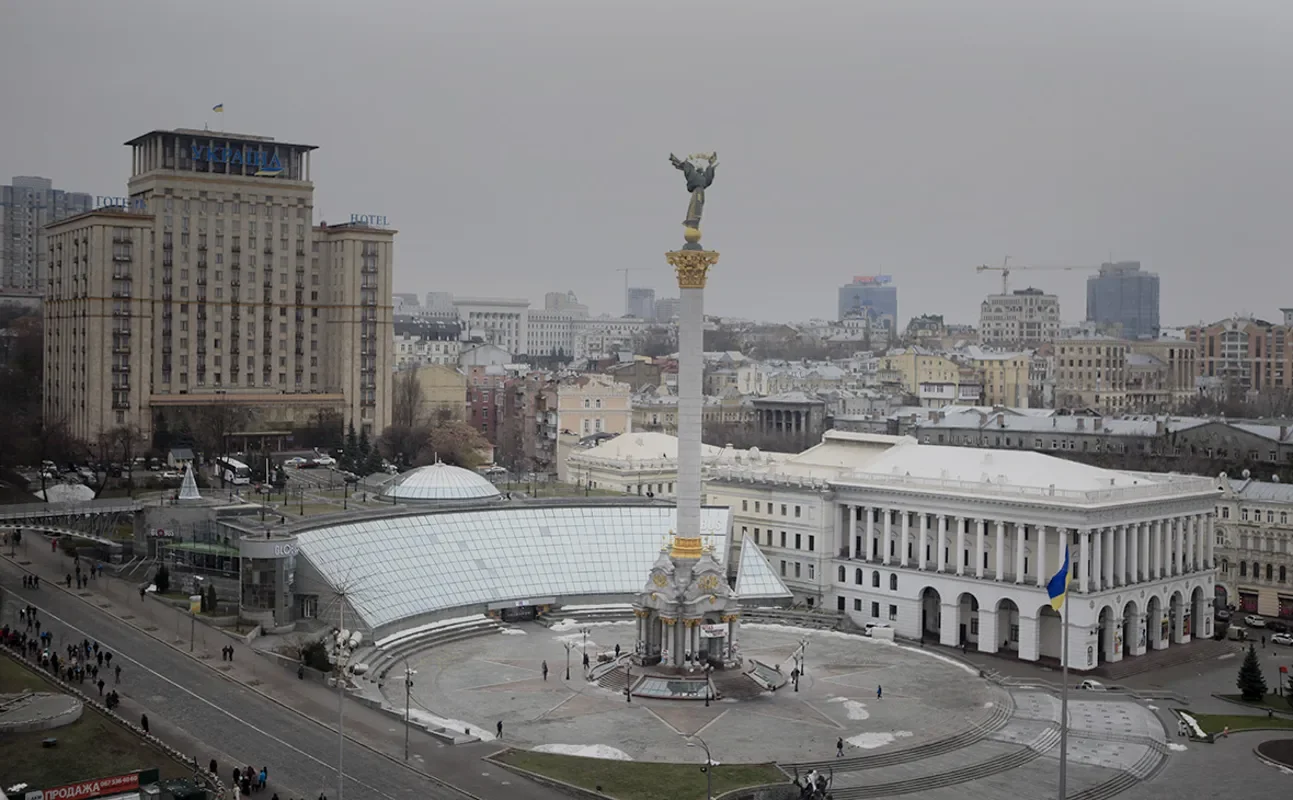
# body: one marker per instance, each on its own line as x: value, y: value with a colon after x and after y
x: 364, y: 726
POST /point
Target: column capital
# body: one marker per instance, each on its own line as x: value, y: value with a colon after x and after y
x: 691, y: 266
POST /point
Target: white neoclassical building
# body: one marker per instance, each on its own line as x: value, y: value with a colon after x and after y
x: 958, y: 544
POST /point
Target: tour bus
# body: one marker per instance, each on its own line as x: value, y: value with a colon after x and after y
x: 234, y: 471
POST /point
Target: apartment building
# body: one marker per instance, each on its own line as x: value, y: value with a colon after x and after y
x: 1023, y: 318
x: 1242, y: 354
x: 27, y: 205
x: 213, y: 286
x: 1005, y: 376
x: 1254, y: 545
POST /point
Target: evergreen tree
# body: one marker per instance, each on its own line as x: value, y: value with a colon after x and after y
x: 350, y: 450
x: 212, y: 600
x: 162, y: 580
x: 372, y: 463
x: 1251, y: 682
x: 365, y: 446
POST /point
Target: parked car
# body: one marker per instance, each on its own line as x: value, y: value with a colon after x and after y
x: 170, y: 475
x: 296, y: 462
x: 1254, y: 621
x: 325, y: 461
x: 870, y: 626
x: 1092, y: 686
x: 1282, y: 638
x: 1278, y: 627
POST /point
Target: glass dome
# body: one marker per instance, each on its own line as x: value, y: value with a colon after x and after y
x: 439, y: 482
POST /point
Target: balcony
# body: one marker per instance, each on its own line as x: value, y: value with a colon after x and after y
x: 120, y: 368
x: 235, y: 315
x: 237, y: 248
x: 368, y: 270
x: 120, y: 312
x: 268, y: 283
x: 121, y: 404
x: 120, y: 349
x: 168, y: 262
x: 269, y: 251
x: 202, y: 247
x: 121, y: 276
x: 121, y: 294
x: 235, y: 282
x: 166, y: 349
x: 168, y: 246
x: 122, y: 240
x: 121, y: 257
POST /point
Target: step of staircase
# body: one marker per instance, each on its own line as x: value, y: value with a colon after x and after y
x: 1174, y: 655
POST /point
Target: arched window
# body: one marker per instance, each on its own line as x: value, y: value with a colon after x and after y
x: 857, y: 577
x: 1284, y: 517
x: 1257, y: 571
x: 875, y: 580
x: 1283, y: 574
x: 1223, y: 566
x: 1270, y: 570
x: 843, y: 575
x: 1243, y: 569
x: 893, y: 583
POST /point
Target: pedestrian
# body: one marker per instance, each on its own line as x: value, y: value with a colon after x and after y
x: 879, y: 692
x: 118, y: 674
x: 275, y: 797
x: 98, y: 657
x: 212, y: 768
x: 237, y: 776
x: 35, y: 581
x: 96, y: 647
x: 101, y: 695
x: 545, y: 670
x: 839, y: 747
x: 617, y: 650
x: 37, y: 626
x: 300, y: 672
x: 69, y: 580
x: 500, y: 729
x: 264, y: 776
x: 246, y: 785
x: 108, y: 658
x: 1263, y: 642
x: 141, y: 593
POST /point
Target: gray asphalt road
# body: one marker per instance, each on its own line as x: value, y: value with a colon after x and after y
x: 237, y: 725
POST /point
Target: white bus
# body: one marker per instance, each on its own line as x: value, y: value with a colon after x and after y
x: 234, y: 471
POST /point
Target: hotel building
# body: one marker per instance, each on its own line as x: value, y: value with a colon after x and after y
x: 215, y: 287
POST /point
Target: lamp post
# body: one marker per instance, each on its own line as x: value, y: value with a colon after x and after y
x: 628, y: 683
x: 569, y: 647
x: 708, y: 667
x: 708, y: 769
x: 342, y: 646
x: 408, y: 692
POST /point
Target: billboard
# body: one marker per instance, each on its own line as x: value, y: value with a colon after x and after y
x: 872, y: 280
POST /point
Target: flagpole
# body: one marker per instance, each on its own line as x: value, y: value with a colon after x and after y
x: 1064, y: 692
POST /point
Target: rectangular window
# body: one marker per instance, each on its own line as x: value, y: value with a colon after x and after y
x: 797, y: 511
x: 783, y: 509
x: 798, y: 541
x: 783, y: 569
x: 893, y: 613
x: 875, y: 610
x: 745, y: 505
x: 812, y: 543
x: 796, y: 569
x: 783, y: 537
x: 857, y: 603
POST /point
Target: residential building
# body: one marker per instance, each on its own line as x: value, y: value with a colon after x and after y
x: 444, y: 392
x: 499, y: 321
x: 639, y: 302
x: 175, y: 303
x: 1121, y: 295
x: 1177, y: 368
x: 527, y: 432
x: 1004, y: 375
x: 564, y: 301
x: 872, y: 297
x: 666, y: 309
x: 1254, y: 542
x: 593, y: 403
x: 1241, y: 354
x: 599, y: 337
x: 914, y: 536
x: 26, y: 206
x: 483, y: 355
x: 551, y: 333
x: 1091, y: 373
x: 485, y: 400
x: 1023, y: 318
x: 426, y: 342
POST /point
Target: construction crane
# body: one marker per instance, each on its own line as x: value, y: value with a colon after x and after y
x: 1006, y: 268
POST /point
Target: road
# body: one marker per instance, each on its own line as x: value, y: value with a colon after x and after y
x: 229, y: 721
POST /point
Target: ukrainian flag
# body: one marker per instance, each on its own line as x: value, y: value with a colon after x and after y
x: 1058, y: 586
x: 218, y: 107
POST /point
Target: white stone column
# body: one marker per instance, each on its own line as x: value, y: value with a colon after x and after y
x: 960, y: 545
x: 1178, y: 545
x: 691, y: 332
x: 989, y: 640
x: 1109, y: 634
x: 1097, y: 560
x: 869, y: 513
x: 1123, y: 563
x: 904, y: 544
x: 1084, y: 560
x: 1030, y: 638
x: 949, y: 625
x: 853, y: 545
x: 1042, y: 577
x: 1210, y: 543
x: 981, y: 548
x: 1196, y: 543
x: 886, y: 549
x: 999, y: 554
x: 1021, y: 529
x: 942, y: 543
x: 1160, y: 563
x: 922, y: 559
x: 1134, y: 551
x: 1110, y: 547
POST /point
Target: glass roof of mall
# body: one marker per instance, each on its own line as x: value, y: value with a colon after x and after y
x: 755, y: 577
x: 402, y: 567
x: 439, y: 482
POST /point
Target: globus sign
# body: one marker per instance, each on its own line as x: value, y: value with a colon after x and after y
x: 88, y: 789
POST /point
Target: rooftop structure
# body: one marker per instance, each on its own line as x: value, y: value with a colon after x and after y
x: 439, y: 483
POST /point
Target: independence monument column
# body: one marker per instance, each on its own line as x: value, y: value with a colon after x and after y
x: 691, y: 263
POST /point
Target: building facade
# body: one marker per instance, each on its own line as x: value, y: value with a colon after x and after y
x: 1091, y: 373
x: 1023, y: 318
x: 425, y: 342
x: 214, y: 287
x: 1242, y: 354
x: 496, y: 320
x: 1254, y: 543
x: 871, y: 296
x: 1121, y: 295
x: 639, y: 302
x: 26, y: 206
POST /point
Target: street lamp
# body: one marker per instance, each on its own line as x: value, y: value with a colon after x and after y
x: 569, y: 646
x: 628, y: 683
x: 342, y: 645
x: 584, y: 649
x: 708, y: 768
x: 708, y: 668
x: 408, y: 692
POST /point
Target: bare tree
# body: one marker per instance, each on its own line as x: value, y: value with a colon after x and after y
x: 407, y: 400
x: 213, y: 424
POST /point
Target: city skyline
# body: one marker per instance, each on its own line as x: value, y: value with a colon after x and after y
x: 970, y: 134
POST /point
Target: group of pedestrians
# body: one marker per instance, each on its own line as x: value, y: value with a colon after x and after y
x: 31, y: 581
x: 248, y: 780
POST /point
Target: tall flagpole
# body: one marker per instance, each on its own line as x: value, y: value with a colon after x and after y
x: 1064, y: 685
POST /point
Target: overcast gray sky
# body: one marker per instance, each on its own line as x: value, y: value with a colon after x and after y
x: 520, y: 147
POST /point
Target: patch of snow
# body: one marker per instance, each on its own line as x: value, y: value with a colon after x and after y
x: 423, y: 718
x: 511, y: 631
x: 625, y: 607
x: 1152, y: 708
x: 853, y: 708
x: 989, y: 705
x: 1177, y: 747
x: 870, y: 741
x: 836, y: 699
x: 586, y: 750
x: 578, y: 640
x: 571, y: 624
x: 1193, y: 725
